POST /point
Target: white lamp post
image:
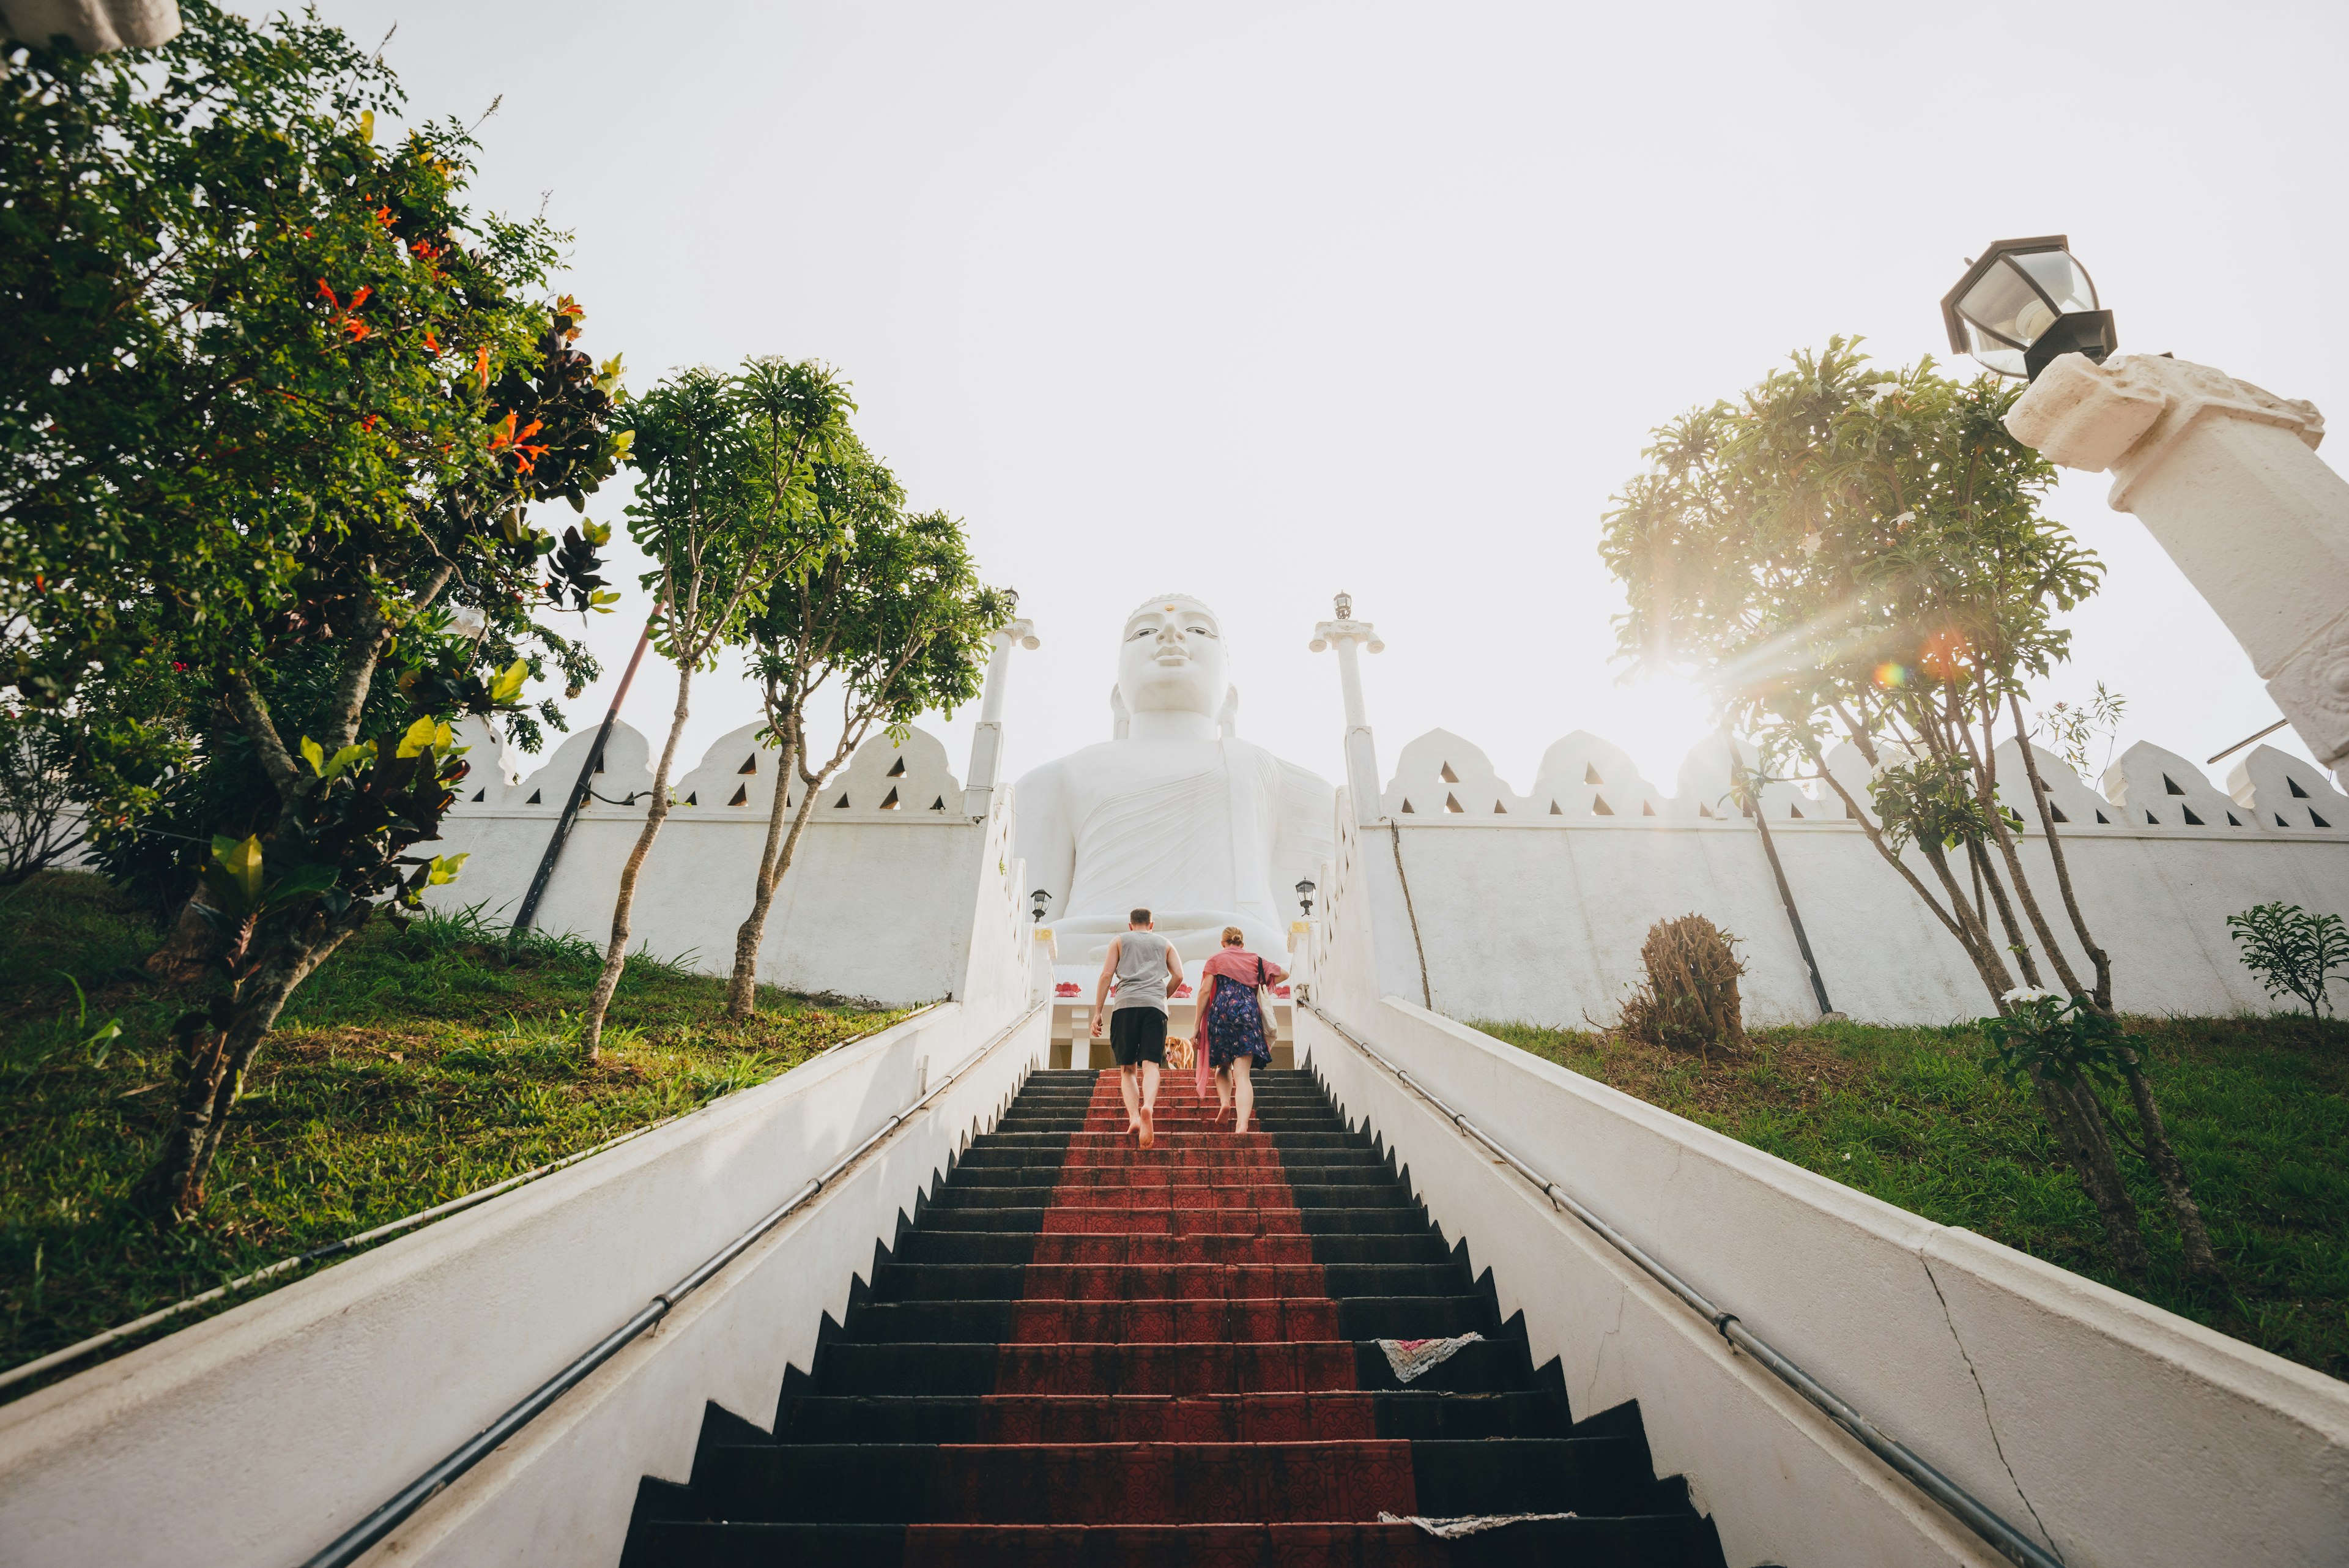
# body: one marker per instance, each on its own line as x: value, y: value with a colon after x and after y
x: 2223, y: 474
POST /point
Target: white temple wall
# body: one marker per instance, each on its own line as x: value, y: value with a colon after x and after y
x: 2118, y: 1432
x: 878, y: 903
x: 1535, y: 912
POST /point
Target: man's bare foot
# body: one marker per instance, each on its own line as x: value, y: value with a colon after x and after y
x: 1149, y: 1130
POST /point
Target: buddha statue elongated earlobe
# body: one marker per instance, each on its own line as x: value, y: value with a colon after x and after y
x: 1121, y: 722
x: 1228, y: 721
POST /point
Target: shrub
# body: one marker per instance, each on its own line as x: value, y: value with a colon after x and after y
x: 2293, y: 951
x: 1688, y: 1000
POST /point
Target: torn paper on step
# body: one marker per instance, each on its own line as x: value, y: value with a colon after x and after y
x: 1410, y: 1358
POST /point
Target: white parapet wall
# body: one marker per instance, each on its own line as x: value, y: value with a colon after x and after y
x: 2115, y: 1432
x: 259, y: 1436
x: 875, y: 905
x: 1533, y: 906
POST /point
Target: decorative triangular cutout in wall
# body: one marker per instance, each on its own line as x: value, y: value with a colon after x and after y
x: 2057, y: 813
x: 1447, y: 775
x: 1591, y: 774
x: 939, y: 804
x: 897, y: 770
x: 693, y: 799
x: 891, y: 804
x: 2169, y: 785
x: 2293, y: 785
x: 2316, y: 821
x: 1408, y: 812
x: 533, y: 800
x: 1647, y: 808
x: 1500, y: 810
x: 841, y: 803
x: 2280, y: 821
x: 2191, y: 820
x: 1554, y: 810
x: 1452, y: 805
x: 1795, y: 812
x: 741, y: 795
x: 2103, y: 818
x: 1598, y: 807
x: 750, y: 765
x: 481, y: 794
x: 2231, y: 821
x: 2153, y: 819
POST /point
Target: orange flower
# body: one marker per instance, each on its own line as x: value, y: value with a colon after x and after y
x: 328, y: 295
x: 506, y: 429
x: 361, y: 296
x: 355, y: 327
x: 481, y: 365
x: 566, y: 305
x: 367, y: 424
x: 383, y: 216
x: 431, y: 342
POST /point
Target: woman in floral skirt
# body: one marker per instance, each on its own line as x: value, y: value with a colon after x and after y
x: 1232, y: 1039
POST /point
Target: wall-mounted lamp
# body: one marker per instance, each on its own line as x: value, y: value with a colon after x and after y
x: 1304, y: 897
x: 2023, y: 303
x: 1040, y: 898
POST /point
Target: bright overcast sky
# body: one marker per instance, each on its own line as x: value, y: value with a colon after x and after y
x: 1264, y: 301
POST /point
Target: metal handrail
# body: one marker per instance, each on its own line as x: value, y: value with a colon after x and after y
x: 347, y: 1547
x: 1969, y: 1511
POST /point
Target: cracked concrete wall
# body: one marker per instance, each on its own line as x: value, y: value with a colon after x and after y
x: 2123, y: 1434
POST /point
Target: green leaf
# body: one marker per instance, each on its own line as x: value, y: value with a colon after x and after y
x: 602, y: 601
x: 444, y: 868
x: 420, y: 737
x: 598, y: 534
x: 304, y: 882
x: 241, y: 861
x: 314, y: 755
x: 509, y: 685
x: 344, y: 759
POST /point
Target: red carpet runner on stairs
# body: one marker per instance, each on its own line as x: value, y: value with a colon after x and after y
x: 1082, y: 1354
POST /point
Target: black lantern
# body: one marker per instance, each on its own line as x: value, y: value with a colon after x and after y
x: 1304, y: 897
x: 1040, y: 898
x: 2023, y: 303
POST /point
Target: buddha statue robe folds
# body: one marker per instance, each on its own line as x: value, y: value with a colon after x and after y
x: 1175, y: 814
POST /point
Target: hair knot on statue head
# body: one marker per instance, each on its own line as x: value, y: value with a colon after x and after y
x: 1172, y: 665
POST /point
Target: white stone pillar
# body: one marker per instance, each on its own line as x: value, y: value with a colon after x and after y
x: 1362, y: 756
x: 2225, y: 477
x: 987, y: 741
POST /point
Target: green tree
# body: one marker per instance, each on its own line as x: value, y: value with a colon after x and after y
x: 1849, y: 554
x: 894, y: 612
x: 277, y: 403
x: 2294, y: 953
x: 725, y: 509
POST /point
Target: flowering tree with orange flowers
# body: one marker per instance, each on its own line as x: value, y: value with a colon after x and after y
x: 278, y: 406
x: 1843, y: 554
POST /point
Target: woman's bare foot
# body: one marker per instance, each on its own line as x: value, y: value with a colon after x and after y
x: 1148, y: 1129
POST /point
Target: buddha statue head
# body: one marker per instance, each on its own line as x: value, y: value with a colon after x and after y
x: 1173, y: 674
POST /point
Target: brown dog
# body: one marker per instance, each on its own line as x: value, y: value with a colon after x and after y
x: 1179, y: 1054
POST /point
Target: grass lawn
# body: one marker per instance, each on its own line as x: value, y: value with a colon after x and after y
x: 2258, y: 1107
x: 416, y: 1065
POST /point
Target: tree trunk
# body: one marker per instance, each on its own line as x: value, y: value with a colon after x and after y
x: 615, y: 956
x: 212, y: 1075
x: 2096, y: 955
x: 774, y: 859
x: 2192, y: 1234
x: 2079, y: 1130
x: 188, y: 950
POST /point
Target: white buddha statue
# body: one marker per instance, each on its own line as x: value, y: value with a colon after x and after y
x: 1174, y: 814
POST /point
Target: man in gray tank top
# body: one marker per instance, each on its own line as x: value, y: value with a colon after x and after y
x: 1144, y: 964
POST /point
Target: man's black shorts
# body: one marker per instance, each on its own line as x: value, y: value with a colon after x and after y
x: 1138, y: 1034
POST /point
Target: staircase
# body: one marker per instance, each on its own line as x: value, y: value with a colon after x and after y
x: 1082, y: 1354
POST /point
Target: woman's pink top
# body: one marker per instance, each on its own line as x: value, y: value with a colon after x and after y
x: 1240, y: 967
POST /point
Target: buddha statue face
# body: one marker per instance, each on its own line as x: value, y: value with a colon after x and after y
x: 1172, y: 660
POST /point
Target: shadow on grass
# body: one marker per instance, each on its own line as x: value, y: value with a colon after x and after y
x: 423, y: 1061
x: 2258, y: 1108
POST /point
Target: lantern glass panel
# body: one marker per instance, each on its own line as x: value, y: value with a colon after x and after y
x: 2065, y: 280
